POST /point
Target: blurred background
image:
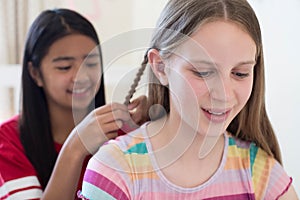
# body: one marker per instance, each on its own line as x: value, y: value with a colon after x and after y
x: 280, y: 23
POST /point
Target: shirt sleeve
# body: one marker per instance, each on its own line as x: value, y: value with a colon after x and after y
x: 18, y: 179
x: 269, y: 178
x: 106, y: 175
x: 279, y: 182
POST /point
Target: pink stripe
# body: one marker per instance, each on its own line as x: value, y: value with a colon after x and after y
x: 233, y: 197
x: 177, y: 196
x: 104, y: 184
x: 224, y: 189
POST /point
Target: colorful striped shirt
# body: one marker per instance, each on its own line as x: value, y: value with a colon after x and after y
x: 125, y: 168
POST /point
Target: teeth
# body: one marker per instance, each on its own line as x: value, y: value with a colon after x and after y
x: 216, y: 113
x: 78, y: 91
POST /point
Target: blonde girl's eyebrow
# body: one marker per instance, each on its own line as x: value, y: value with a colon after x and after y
x: 250, y: 62
x: 213, y: 64
x: 202, y: 63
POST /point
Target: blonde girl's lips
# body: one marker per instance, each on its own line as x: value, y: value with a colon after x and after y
x: 216, y: 116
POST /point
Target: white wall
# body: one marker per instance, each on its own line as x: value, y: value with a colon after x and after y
x: 280, y: 23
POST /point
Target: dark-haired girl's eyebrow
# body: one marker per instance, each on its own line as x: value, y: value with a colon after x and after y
x: 63, y: 58
x: 91, y: 55
x: 70, y: 58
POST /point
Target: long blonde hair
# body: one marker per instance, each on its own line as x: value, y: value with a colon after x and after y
x: 183, y: 17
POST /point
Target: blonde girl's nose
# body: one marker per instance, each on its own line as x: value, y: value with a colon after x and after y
x: 221, y: 89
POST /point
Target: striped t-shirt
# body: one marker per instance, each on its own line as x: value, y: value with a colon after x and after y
x: 125, y: 169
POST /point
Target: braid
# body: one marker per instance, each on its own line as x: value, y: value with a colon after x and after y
x: 137, y: 79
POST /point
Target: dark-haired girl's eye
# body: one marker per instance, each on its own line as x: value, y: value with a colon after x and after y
x: 63, y: 68
x: 95, y: 64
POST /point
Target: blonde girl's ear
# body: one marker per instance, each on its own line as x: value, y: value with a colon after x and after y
x: 158, y: 66
x: 35, y: 74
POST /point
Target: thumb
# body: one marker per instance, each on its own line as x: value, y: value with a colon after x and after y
x: 133, y: 104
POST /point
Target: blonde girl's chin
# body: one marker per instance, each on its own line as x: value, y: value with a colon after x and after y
x: 211, y: 130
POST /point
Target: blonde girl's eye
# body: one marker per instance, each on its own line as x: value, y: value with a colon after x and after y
x: 204, y: 74
x: 241, y: 75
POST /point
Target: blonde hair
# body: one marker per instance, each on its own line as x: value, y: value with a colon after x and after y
x: 183, y: 17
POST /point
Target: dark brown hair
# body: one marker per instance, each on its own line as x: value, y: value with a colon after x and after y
x: 34, y: 123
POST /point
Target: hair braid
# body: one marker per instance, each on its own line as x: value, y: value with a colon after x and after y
x: 137, y: 79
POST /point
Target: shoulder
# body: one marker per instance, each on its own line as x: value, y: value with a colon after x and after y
x: 269, y: 179
x: 9, y: 133
x: 10, y: 127
x: 121, y: 154
x: 259, y: 160
x: 131, y: 143
x: 17, y: 175
x: 14, y: 163
x: 10, y: 136
x: 245, y: 150
x: 106, y: 175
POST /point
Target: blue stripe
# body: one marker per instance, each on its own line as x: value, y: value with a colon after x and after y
x: 139, y: 148
x: 91, y: 192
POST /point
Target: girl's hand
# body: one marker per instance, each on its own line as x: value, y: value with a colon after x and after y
x: 139, y: 115
x: 138, y: 110
x: 99, y: 126
x: 105, y: 123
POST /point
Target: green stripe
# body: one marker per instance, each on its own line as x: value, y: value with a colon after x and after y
x: 139, y: 148
x: 253, y: 153
x: 231, y: 141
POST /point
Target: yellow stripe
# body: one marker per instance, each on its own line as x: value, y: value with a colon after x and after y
x: 261, y: 170
x: 233, y: 151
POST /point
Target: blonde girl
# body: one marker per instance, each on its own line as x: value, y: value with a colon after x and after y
x: 210, y: 136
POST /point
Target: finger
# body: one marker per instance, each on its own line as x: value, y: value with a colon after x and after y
x: 141, y: 100
x: 135, y: 103
x: 136, y: 116
x: 112, y: 135
x: 111, y: 127
x: 109, y: 108
x: 113, y: 116
x: 140, y: 115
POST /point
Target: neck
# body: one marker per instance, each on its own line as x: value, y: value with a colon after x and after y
x: 177, y: 140
x: 186, y: 157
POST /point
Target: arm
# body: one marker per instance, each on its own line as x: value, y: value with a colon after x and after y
x: 66, y: 173
x: 289, y: 195
x: 99, y: 126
